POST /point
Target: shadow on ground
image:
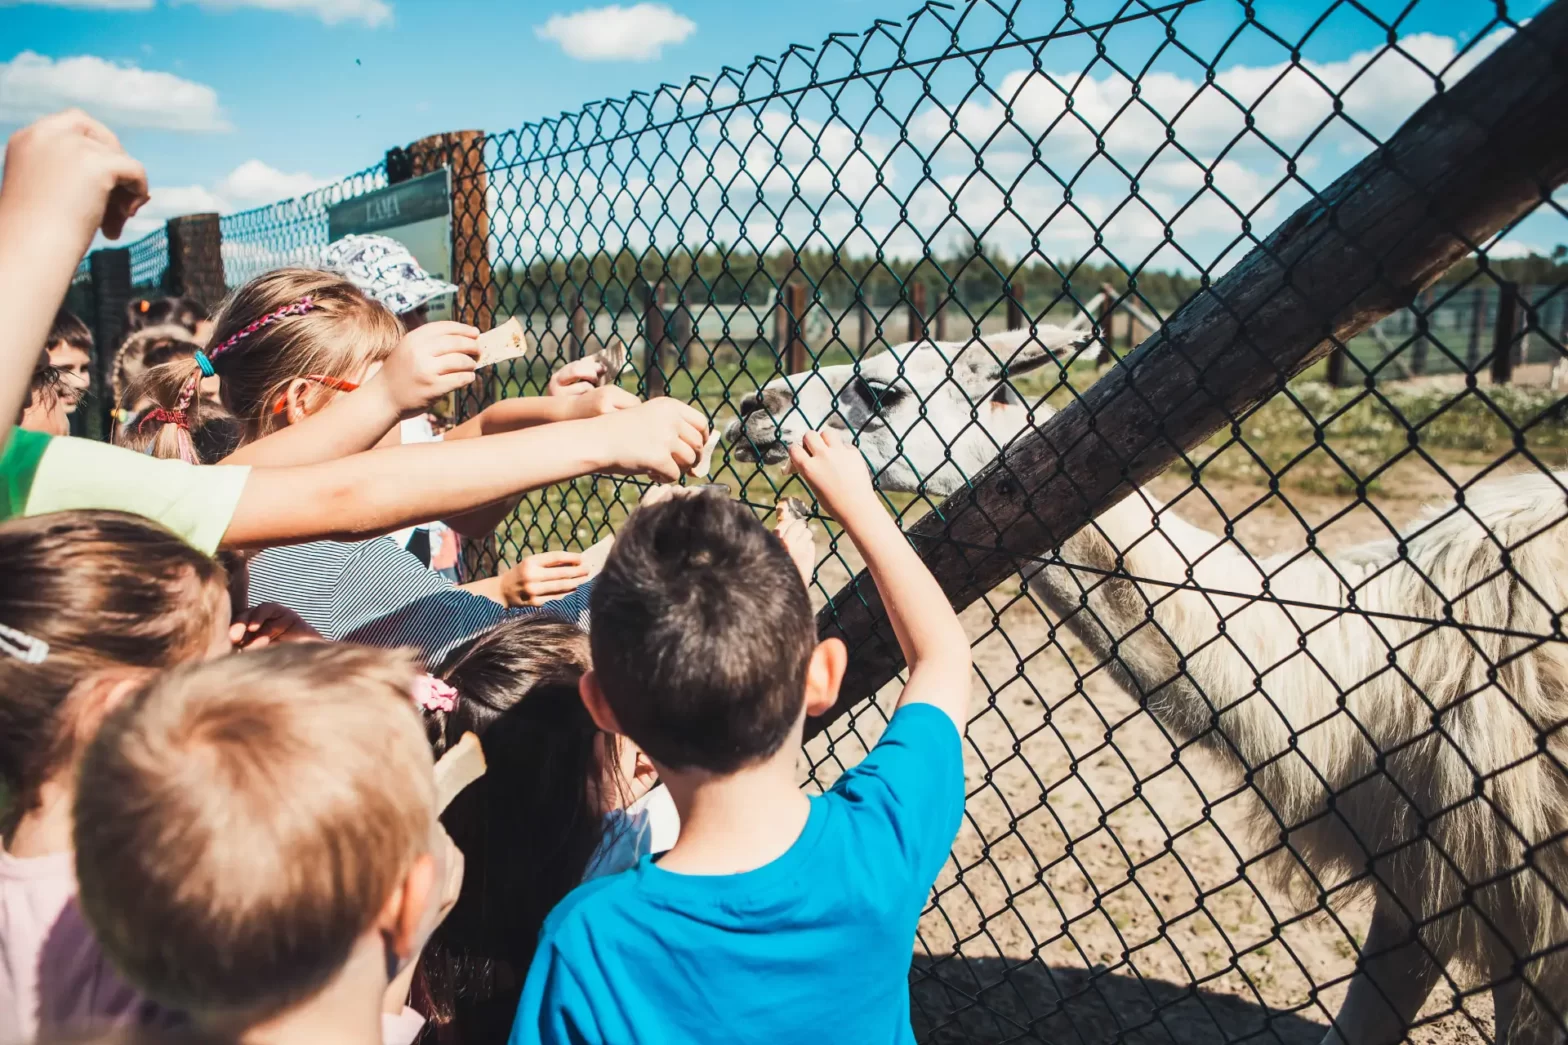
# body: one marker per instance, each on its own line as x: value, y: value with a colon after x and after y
x: 989, y: 1001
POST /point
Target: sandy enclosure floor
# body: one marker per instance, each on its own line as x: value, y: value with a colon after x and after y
x: 1099, y: 890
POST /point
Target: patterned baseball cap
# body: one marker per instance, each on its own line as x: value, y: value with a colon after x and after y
x: 385, y: 270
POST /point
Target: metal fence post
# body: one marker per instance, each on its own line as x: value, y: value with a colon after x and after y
x: 1015, y: 308
x: 917, y: 311
x: 111, y: 290
x: 1503, y: 332
x: 195, y: 259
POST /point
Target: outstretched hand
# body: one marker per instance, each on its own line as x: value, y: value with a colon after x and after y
x: 834, y: 470
x: 662, y: 438
x: 430, y: 362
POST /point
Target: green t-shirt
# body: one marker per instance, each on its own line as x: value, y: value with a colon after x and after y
x: 41, y: 474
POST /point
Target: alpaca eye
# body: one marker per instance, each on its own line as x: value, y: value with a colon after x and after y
x: 879, y: 397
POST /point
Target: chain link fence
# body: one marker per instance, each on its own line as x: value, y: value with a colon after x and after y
x: 1256, y: 527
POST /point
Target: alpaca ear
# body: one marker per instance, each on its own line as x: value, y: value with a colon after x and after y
x: 1014, y: 352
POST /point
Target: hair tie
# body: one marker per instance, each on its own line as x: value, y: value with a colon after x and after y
x: 143, y: 306
x: 298, y: 308
x: 178, y: 418
x: 431, y: 694
x: 205, y: 364
x: 22, y: 646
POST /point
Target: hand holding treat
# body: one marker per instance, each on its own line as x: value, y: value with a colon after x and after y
x: 576, y: 377
x: 430, y: 362
x: 792, y: 529
x: 266, y: 623
x: 592, y: 402
x: 834, y: 470
x: 662, y: 438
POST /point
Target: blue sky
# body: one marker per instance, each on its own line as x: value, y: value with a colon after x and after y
x: 234, y: 103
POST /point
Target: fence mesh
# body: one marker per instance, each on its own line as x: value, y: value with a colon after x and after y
x: 1267, y: 713
x: 987, y: 168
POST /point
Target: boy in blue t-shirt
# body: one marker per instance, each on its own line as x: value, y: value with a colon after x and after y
x: 775, y: 917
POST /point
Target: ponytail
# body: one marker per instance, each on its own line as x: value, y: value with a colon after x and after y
x: 173, y: 420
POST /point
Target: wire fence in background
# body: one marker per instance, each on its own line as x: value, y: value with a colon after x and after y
x: 1260, y: 717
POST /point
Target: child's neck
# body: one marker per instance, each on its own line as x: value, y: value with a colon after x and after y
x: 45, y: 830
x: 739, y: 822
x: 347, y: 1010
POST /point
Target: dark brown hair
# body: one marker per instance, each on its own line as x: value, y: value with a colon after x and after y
x: 527, y: 828
x: 240, y: 824
x: 103, y: 590
x: 702, y: 632
x: 141, y: 313
x: 68, y: 330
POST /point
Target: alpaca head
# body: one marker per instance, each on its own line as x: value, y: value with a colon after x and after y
x: 926, y: 414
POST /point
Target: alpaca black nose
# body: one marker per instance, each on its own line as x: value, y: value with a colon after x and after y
x: 749, y: 405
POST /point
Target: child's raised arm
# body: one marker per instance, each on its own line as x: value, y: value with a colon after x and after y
x: 428, y: 363
x: 384, y: 490
x: 66, y: 176
x: 934, y: 643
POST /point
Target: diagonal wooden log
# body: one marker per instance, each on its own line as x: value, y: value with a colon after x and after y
x: 1469, y: 162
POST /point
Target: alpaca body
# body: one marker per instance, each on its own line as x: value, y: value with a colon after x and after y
x: 1388, y: 710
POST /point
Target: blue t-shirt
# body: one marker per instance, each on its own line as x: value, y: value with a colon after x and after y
x: 814, y: 946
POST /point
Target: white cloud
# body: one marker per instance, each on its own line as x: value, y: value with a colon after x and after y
x: 606, y: 34
x: 32, y: 85
x: 371, y: 12
x: 1511, y: 248
x: 253, y: 183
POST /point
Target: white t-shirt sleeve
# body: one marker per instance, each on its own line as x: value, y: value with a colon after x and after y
x: 649, y: 825
x: 414, y: 430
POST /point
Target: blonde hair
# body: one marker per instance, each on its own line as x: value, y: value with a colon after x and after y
x: 339, y: 334
x: 240, y: 824
x: 194, y: 428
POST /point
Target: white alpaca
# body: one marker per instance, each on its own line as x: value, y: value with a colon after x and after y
x: 1384, y: 748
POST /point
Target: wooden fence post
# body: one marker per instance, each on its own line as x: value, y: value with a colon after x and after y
x: 863, y: 321
x: 463, y: 153
x: 654, y: 331
x: 917, y: 311
x: 579, y: 327
x: 795, y: 299
x: 1102, y: 320
x: 1503, y: 332
x: 1015, y: 307
x: 111, y: 291
x: 940, y: 319
x: 1422, y: 310
x: 1477, y: 324
x: 195, y: 259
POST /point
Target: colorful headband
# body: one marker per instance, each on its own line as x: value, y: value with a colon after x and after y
x: 22, y: 646
x: 298, y: 308
x: 178, y: 418
x: 431, y: 694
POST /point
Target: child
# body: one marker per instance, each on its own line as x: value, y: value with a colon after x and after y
x: 257, y: 845
x: 65, y: 178
x: 289, y: 345
x: 48, y: 400
x: 188, y: 314
x: 772, y: 908
x: 141, y: 351
x: 559, y: 799
x: 70, y: 348
x: 88, y: 601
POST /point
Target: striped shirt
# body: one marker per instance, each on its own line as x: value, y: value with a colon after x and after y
x: 379, y: 594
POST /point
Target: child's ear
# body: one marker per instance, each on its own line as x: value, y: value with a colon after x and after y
x: 404, y: 919
x: 294, y: 396
x: 598, y: 707
x: 824, y: 675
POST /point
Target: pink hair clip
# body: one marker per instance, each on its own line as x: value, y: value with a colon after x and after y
x: 431, y: 694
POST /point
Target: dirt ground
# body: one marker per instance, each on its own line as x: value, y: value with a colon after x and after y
x: 1100, y: 890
